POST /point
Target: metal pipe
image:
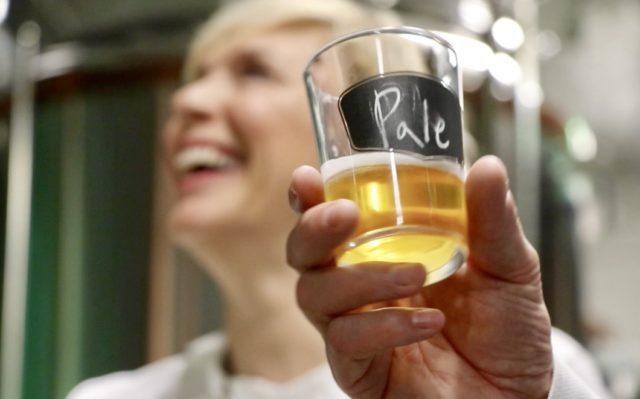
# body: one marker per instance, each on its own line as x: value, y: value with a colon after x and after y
x: 20, y: 180
x: 527, y: 102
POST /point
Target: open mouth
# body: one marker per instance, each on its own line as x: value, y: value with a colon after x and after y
x: 197, y: 165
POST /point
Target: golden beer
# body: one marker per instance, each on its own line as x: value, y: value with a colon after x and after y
x: 410, y: 210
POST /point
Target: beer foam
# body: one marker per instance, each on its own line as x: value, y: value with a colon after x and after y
x: 336, y: 166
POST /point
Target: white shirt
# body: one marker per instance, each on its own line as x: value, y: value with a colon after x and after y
x: 197, y: 374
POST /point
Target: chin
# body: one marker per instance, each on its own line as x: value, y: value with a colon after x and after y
x: 196, y: 216
x: 193, y: 222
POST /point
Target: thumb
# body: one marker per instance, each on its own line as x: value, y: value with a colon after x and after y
x: 497, y: 244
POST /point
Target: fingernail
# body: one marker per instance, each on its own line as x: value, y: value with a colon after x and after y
x: 427, y: 319
x: 294, y: 200
x: 407, y: 274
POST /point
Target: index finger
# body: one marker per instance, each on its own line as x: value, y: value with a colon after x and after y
x: 319, y: 232
x: 306, y: 190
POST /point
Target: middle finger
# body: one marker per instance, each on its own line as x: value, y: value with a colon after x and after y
x: 324, y: 293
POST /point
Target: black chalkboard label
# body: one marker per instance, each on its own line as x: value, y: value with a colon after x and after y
x: 405, y: 112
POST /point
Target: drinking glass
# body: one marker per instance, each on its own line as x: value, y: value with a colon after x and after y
x: 386, y: 105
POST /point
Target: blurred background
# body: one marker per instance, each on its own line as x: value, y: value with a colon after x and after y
x: 90, y: 284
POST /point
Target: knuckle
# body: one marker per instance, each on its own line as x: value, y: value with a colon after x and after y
x: 530, y: 264
x: 533, y: 258
x: 295, y: 246
x: 291, y: 250
x: 304, y: 229
x: 292, y: 259
x: 337, y: 339
x: 304, y: 292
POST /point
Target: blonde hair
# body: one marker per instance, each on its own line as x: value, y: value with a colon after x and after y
x: 245, y: 17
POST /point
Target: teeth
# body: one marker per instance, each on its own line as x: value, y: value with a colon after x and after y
x: 197, y: 157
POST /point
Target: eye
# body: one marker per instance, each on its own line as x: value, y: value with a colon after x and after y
x: 253, y: 69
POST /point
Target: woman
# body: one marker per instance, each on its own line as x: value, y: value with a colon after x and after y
x: 239, y: 127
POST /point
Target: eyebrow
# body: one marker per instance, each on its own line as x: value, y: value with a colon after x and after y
x: 247, y: 52
x: 251, y: 53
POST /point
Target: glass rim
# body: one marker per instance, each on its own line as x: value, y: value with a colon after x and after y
x: 376, y: 31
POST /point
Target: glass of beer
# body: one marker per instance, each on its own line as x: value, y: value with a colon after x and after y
x: 386, y: 105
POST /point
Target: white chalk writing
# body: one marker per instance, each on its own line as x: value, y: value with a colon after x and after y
x: 386, y: 104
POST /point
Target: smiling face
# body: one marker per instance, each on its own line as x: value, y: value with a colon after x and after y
x: 236, y: 133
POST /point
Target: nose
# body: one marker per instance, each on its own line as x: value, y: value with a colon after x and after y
x: 204, y: 98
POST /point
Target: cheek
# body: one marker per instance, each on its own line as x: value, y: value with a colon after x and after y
x: 169, y: 135
x: 277, y: 125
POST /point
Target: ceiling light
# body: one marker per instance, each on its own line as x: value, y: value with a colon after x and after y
x: 549, y: 43
x: 505, y: 69
x: 508, y: 34
x: 475, y: 15
x: 505, y: 72
x: 581, y: 140
x: 475, y: 58
x: 4, y: 10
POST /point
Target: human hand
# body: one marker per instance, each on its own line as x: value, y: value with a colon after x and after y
x: 386, y: 335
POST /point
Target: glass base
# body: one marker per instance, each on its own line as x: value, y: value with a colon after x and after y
x: 441, y: 253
